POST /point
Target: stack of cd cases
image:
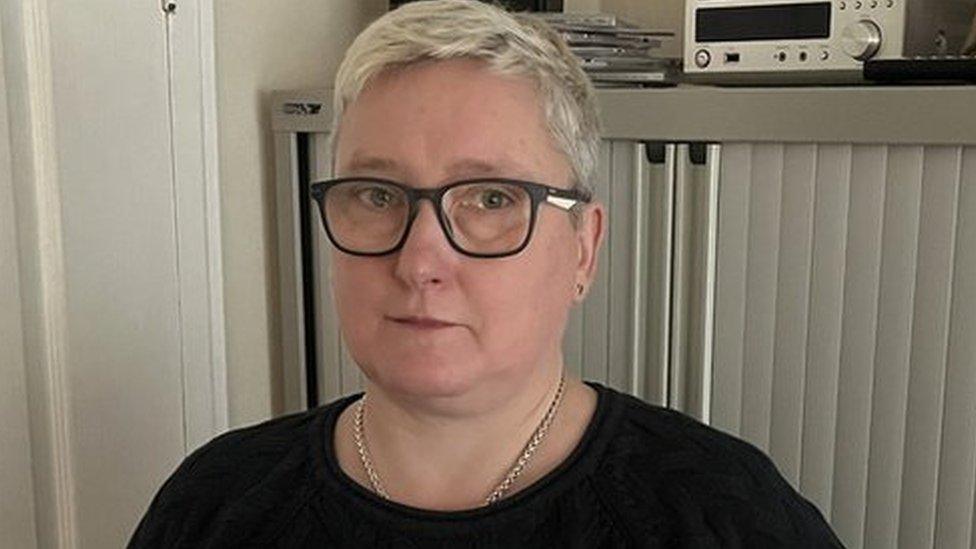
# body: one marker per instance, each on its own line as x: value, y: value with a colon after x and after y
x: 615, y: 53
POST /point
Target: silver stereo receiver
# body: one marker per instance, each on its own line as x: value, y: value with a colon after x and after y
x: 803, y: 41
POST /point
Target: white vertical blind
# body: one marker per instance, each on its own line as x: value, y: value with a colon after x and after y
x: 858, y: 348
x: 899, y: 253
x: 846, y: 307
x: 824, y: 329
x: 595, y: 311
x: 599, y: 340
x: 730, y: 294
x: 620, y: 264
x: 792, y: 314
x: 955, y: 514
x: 929, y: 345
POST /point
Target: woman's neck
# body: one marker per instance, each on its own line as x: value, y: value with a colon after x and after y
x: 446, y: 459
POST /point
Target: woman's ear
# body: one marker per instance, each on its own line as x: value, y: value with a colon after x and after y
x: 589, y: 238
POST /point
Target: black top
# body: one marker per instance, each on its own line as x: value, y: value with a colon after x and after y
x: 642, y: 476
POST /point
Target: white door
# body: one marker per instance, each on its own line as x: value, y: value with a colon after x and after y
x: 118, y: 265
x: 16, y: 493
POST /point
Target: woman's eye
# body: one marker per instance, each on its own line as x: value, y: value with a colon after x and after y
x: 494, y: 199
x: 378, y: 197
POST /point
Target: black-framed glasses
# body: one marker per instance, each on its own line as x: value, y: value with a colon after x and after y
x: 490, y: 217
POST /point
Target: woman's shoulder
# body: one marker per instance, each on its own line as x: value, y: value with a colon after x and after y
x: 665, y: 468
x: 248, y: 450
x: 657, y: 430
x: 232, y: 474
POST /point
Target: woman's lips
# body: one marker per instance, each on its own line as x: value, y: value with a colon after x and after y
x: 422, y: 323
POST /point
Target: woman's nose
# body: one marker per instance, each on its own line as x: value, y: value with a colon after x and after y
x: 426, y: 258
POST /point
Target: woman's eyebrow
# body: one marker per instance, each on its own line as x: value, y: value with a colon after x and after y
x: 464, y: 167
x: 361, y: 162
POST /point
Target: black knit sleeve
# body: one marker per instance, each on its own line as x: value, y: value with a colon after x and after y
x: 177, y: 510
x: 778, y: 516
x: 684, y: 484
x: 245, y: 471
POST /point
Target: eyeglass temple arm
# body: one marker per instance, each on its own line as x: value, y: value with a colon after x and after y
x: 565, y: 200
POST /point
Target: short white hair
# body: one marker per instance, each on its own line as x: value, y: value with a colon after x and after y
x: 516, y: 44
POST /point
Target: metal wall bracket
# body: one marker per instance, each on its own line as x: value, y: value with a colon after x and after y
x: 655, y: 151
x: 698, y: 153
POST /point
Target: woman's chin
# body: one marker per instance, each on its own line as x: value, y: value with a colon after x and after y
x: 425, y: 378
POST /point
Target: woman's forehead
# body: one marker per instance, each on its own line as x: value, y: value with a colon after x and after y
x: 460, y: 115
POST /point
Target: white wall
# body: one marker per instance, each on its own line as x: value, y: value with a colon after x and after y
x: 263, y: 46
x: 657, y: 14
x: 653, y: 14
x: 582, y: 6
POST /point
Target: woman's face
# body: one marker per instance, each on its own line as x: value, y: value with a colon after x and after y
x: 427, y: 320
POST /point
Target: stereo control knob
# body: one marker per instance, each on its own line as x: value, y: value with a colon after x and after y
x: 861, y: 39
x: 702, y: 58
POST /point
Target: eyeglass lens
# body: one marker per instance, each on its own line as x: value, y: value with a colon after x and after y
x: 480, y: 218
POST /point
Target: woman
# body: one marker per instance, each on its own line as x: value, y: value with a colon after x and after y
x: 464, y: 148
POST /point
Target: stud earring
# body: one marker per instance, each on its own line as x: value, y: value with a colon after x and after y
x: 579, y: 289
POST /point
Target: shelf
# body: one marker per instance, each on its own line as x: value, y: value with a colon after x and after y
x: 848, y: 114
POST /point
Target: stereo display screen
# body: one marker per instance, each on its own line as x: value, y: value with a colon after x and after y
x: 775, y: 22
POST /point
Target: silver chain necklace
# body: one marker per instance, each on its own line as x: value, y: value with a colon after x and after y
x: 513, y: 473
